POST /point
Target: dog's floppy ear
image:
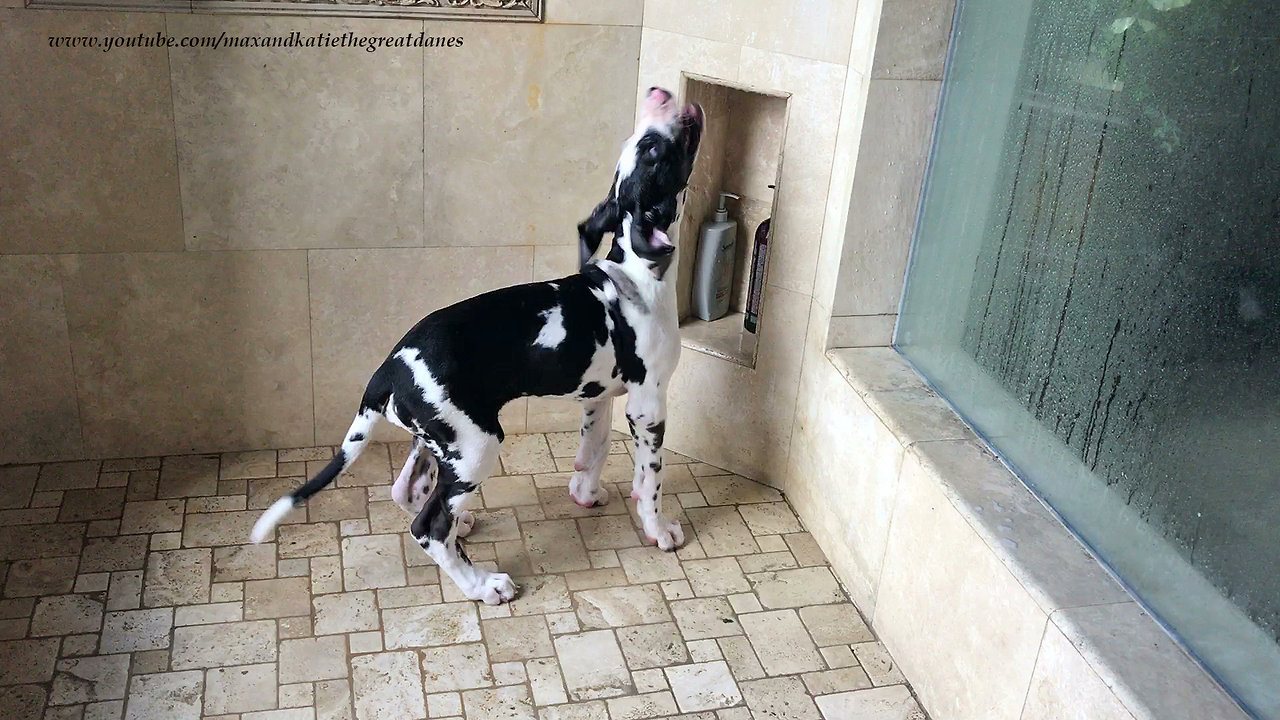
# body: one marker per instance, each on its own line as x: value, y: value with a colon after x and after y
x: 605, y: 218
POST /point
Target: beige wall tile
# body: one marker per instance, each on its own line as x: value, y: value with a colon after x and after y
x: 897, y: 130
x: 523, y: 150
x: 1064, y: 686
x: 957, y: 672
x: 594, y: 12
x: 664, y: 56
x: 913, y: 39
x: 840, y: 188
x: 282, y: 149
x: 41, y: 420
x: 817, y: 89
x: 815, y: 29
x: 843, y: 476
x: 735, y: 417
x: 192, y: 351
x: 89, y: 160
x: 862, y: 331
x: 364, y: 301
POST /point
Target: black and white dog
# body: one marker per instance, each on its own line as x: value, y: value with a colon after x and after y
x: 608, y: 330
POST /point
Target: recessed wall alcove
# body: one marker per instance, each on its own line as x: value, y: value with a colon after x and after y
x: 741, y: 153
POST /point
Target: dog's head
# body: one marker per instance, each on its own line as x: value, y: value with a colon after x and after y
x: 651, y: 173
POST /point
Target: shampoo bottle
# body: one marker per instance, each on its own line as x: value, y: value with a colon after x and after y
x: 713, y: 271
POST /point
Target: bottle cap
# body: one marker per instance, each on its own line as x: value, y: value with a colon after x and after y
x: 722, y: 212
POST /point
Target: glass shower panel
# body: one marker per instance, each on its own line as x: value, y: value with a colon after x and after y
x: 1095, y: 285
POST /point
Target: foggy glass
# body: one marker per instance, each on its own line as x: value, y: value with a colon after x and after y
x: 1095, y: 286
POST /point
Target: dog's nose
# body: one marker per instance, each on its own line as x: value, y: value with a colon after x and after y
x: 658, y: 94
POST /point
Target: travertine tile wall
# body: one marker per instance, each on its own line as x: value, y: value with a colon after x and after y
x: 728, y: 414
x: 211, y: 250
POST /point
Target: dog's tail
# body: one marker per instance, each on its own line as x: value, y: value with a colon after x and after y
x: 372, y: 407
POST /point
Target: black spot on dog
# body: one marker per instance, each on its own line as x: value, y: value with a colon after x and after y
x: 591, y: 389
x: 356, y: 437
x: 659, y: 430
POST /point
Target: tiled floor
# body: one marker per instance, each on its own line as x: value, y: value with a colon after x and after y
x: 129, y: 592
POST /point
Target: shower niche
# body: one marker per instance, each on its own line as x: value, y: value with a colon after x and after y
x: 740, y: 153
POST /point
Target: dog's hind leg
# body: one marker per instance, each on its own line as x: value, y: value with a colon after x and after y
x: 647, y: 417
x: 585, y: 487
x: 463, y: 465
x: 413, y: 485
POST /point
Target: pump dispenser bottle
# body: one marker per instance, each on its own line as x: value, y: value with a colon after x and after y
x: 713, y: 271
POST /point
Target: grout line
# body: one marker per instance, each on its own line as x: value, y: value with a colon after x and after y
x: 311, y: 345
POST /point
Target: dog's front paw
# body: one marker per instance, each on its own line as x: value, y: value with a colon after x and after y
x: 585, y: 495
x: 664, y: 533
x: 494, y: 589
x: 466, y: 521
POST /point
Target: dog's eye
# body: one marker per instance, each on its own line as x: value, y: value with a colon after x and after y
x: 652, y: 153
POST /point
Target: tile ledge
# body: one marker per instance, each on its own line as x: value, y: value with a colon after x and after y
x: 875, y: 372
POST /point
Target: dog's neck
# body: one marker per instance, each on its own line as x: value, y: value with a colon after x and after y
x: 639, y: 281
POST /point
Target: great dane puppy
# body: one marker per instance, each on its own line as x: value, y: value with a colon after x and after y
x: 605, y: 331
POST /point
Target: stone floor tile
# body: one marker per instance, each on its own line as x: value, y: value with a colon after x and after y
x: 880, y: 667
x: 17, y: 485
x: 564, y: 622
x: 242, y: 643
x: 522, y: 637
x: 114, y: 554
x: 374, y: 469
x: 604, y: 559
x: 796, y: 588
x: 299, y: 695
x: 149, y: 662
x: 306, y: 713
x: 705, y: 618
x: 647, y: 681
x: 431, y: 625
x: 188, y: 476
x: 104, y: 710
x: 244, y: 688
x: 136, y: 630
x: 441, y: 705
x: 24, y: 542
x: 80, y: 645
x: 834, y: 681
x: 779, y: 699
x: 541, y: 594
x: 209, y: 614
x: 597, y: 578
x: 336, y: 504
x: 647, y: 564
x: 838, y: 656
x: 166, y: 541
x: 557, y: 504
x: 222, y: 528
x: 252, y: 464
x: 593, y: 710
x: 525, y: 455
x: 67, y: 615
x: 143, y: 485
x: 311, y: 659
x: 333, y: 700
x: 805, y: 549
x: 621, y: 606
x: 177, y: 577
x: 505, y: 703
x: 716, y: 576
x: 555, y: 546
x: 741, y: 657
x: 642, y: 707
x: 770, y: 518
x: 563, y: 444
x: 652, y: 646
x: 326, y: 575
x: 545, y: 681
x: 263, y: 492
x: 27, y: 661
x: 701, y: 651
x: 68, y: 475
x: 835, y: 624
x: 494, y: 526
x: 592, y: 665
x: 455, y: 667
x: 745, y: 603
x: 703, y: 686
x: 172, y: 696
x: 125, y: 590
x: 281, y: 597
x: 509, y: 491
x: 766, y: 562
x: 721, y: 531
x: 364, y: 642
x: 151, y: 516
x: 93, y: 504
x: 732, y: 490
x: 90, y: 679
x: 781, y: 642
x: 884, y: 703
x: 245, y: 562
x: 771, y: 543
x: 226, y: 592
x: 608, y: 532
x: 372, y: 561
x: 46, y: 576
x: 217, y: 503
x: 345, y: 612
